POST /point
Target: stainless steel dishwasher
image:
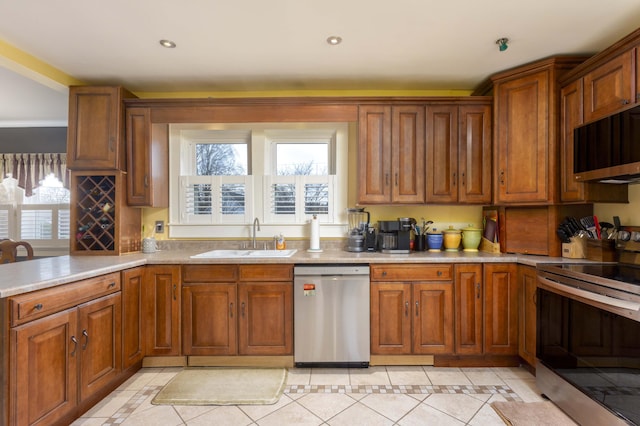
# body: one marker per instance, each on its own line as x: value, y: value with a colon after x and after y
x: 331, y: 316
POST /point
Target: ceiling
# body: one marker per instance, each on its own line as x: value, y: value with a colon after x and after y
x: 280, y: 45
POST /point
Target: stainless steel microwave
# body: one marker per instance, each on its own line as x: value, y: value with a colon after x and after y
x: 608, y: 149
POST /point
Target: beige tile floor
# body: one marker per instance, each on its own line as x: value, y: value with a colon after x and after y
x: 374, y: 396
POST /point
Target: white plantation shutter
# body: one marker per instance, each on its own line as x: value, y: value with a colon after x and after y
x: 36, y: 224
x: 6, y: 217
x: 216, y: 199
x: 294, y: 198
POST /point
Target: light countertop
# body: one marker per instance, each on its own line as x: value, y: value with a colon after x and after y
x: 22, y: 277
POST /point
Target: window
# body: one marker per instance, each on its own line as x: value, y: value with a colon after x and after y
x: 224, y: 176
x: 41, y: 219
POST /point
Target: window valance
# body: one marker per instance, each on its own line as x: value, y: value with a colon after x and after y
x: 30, y: 169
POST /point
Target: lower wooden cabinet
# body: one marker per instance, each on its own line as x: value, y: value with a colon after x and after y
x: 162, y: 310
x: 527, y: 285
x: 132, y: 316
x: 237, y: 310
x: 410, y: 316
x: 61, y: 359
x: 469, y: 309
x: 500, y: 309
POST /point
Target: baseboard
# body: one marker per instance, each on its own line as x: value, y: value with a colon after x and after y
x: 401, y: 360
x: 164, y: 361
x: 240, y: 361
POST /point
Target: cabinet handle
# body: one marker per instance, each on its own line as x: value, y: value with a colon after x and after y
x: 384, y: 273
x: 386, y: 179
x: 111, y: 144
x: 146, y: 181
x: 86, y: 339
x: 242, y: 309
x: 406, y: 308
x: 75, y: 345
x: 38, y: 307
x: 175, y: 287
x: 231, y: 309
x: 462, y: 179
x: 501, y: 177
x: 477, y: 290
x: 625, y: 102
x: 439, y: 273
x: 454, y: 179
x: 111, y: 285
x: 417, y: 309
x: 396, y: 178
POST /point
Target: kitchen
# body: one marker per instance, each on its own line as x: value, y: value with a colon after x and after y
x: 445, y: 215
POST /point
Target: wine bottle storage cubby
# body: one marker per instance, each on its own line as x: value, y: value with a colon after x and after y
x: 95, y: 216
x: 102, y: 222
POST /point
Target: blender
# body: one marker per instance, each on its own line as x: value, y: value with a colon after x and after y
x: 358, y: 221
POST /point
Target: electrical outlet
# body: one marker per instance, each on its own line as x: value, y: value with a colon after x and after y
x: 159, y: 226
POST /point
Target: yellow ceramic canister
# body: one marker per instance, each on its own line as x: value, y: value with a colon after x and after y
x: 452, y: 238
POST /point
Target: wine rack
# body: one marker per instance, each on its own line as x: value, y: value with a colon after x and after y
x: 102, y: 223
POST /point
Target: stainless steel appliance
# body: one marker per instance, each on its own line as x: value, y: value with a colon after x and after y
x: 394, y: 236
x: 358, y: 221
x: 588, y: 336
x: 331, y: 316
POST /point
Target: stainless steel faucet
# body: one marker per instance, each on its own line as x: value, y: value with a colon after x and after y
x: 253, y: 236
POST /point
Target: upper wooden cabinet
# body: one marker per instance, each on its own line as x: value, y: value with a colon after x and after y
x: 391, y: 154
x: 526, y: 132
x: 458, y: 153
x: 610, y: 86
x: 147, y: 160
x: 95, y: 136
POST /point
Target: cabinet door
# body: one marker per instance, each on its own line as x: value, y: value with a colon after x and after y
x: 609, y: 87
x: 209, y: 319
x: 474, y: 154
x: 442, y: 153
x: 571, y: 117
x: 408, y: 159
x: 147, y: 160
x: 527, y: 279
x: 390, y: 318
x: 374, y: 154
x: 468, y: 309
x: 138, y: 156
x: 501, y: 309
x: 162, y: 310
x: 522, y: 139
x: 94, y: 135
x: 265, y: 323
x: 132, y: 317
x: 44, y: 358
x: 433, y: 318
x: 100, y: 343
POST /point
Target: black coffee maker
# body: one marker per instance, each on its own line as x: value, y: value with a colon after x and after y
x: 394, y: 236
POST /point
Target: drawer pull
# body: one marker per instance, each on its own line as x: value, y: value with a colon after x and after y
x: 175, y: 287
x: 231, y: 309
x: 478, y: 290
x: 242, y: 309
x: 417, y: 309
x: 439, y: 273
x: 75, y: 345
x: 38, y: 307
x: 86, y: 341
x: 406, y: 308
x: 384, y: 273
x: 112, y: 284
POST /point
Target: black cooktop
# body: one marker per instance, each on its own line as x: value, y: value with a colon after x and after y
x: 626, y: 273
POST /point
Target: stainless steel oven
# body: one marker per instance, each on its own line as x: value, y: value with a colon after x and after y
x: 588, y: 338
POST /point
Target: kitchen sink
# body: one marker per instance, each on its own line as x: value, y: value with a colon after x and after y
x: 234, y: 254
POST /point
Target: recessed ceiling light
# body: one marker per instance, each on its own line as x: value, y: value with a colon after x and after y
x: 333, y: 40
x: 168, y: 44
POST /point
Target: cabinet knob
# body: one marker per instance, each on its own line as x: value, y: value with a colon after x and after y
x: 625, y: 102
x: 38, y: 307
x: 384, y: 273
x: 439, y: 273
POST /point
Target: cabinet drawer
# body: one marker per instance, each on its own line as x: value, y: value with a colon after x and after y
x: 209, y: 273
x: 440, y: 272
x: 266, y: 273
x: 37, y: 304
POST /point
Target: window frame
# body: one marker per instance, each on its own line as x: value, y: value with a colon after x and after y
x: 261, y: 162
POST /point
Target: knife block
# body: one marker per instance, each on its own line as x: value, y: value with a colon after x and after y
x: 575, y: 249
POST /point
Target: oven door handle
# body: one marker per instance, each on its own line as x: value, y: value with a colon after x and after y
x: 595, y: 297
